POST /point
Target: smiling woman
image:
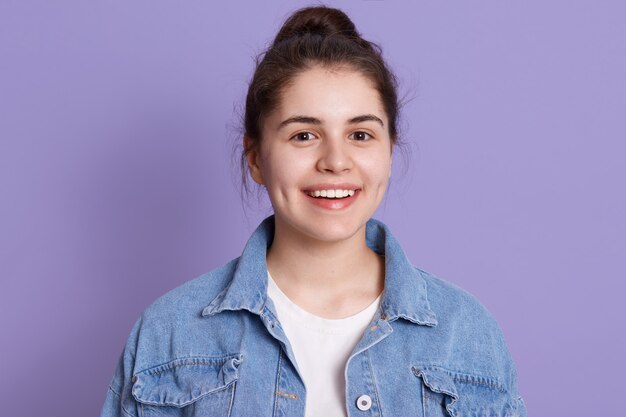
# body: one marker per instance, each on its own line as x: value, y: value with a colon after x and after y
x: 322, y: 314
x: 328, y: 135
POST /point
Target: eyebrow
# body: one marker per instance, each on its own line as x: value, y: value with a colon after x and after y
x: 315, y: 121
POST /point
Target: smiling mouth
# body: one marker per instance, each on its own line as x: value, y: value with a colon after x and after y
x: 331, y: 194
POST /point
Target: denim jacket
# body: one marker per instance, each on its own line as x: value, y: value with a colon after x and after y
x: 214, y: 347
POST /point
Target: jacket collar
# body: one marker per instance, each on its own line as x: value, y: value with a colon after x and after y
x: 405, y: 288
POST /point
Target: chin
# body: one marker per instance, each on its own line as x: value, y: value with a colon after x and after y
x: 333, y: 231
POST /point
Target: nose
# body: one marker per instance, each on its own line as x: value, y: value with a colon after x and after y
x: 334, y: 156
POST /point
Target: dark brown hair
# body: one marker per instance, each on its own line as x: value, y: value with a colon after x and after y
x: 313, y: 36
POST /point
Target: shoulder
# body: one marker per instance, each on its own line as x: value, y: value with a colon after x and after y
x: 164, y: 332
x: 191, y: 297
x: 471, y: 331
x: 472, y: 356
x: 163, y: 329
x: 178, y: 310
x: 450, y: 302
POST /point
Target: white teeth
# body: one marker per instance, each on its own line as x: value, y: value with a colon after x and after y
x: 331, y: 193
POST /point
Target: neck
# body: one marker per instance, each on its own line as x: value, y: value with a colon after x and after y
x: 305, y: 267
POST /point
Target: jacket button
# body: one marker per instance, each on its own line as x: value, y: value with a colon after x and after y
x: 364, y: 402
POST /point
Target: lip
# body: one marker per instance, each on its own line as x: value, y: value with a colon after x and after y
x: 333, y: 203
x: 329, y: 186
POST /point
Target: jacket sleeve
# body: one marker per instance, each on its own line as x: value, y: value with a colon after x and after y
x: 119, y: 401
x: 521, y: 407
x: 516, y: 400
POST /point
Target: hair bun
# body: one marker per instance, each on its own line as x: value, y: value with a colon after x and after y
x: 320, y: 20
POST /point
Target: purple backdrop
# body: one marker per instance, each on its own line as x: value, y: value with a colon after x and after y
x: 117, y: 178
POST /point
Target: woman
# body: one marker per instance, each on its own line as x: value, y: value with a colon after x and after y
x: 322, y: 314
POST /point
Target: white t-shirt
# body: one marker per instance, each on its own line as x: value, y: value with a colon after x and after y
x: 322, y: 348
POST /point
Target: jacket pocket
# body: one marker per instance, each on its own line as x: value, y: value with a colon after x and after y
x: 196, y: 386
x: 447, y: 393
x: 438, y: 392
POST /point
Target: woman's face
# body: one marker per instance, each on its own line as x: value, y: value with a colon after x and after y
x: 329, y: 138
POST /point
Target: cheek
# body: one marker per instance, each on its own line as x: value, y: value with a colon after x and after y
x: 281, y: 169
x: 378, y: 170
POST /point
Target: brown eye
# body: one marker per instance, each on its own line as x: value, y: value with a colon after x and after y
x: 361, y: 136
x: 303, y: 137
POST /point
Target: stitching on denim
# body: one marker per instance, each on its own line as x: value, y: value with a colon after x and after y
x: 114, y: 392
x: 428, y: 389
x: 485, y: 383
x: 190, y: 361
x: 424, y: 399
x: 186, y: 403
x: 466, y: 378
x: 118, y: 395
x: 369, y: 361
x: 178, y: 365
x: 287, y: 395
x: 418, y: 373
x: 232, y: 398
x: 280, y: 359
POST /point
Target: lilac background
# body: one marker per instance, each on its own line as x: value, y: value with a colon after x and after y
x: 117, y: 180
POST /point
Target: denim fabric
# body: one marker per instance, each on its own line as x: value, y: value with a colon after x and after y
x: 213, y: 347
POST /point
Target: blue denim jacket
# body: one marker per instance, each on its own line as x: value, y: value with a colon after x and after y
x: 213, y: 347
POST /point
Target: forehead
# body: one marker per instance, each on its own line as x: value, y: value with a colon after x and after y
x: 329, y: 94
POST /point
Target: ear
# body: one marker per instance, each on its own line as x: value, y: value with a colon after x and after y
x: 252, y: 157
